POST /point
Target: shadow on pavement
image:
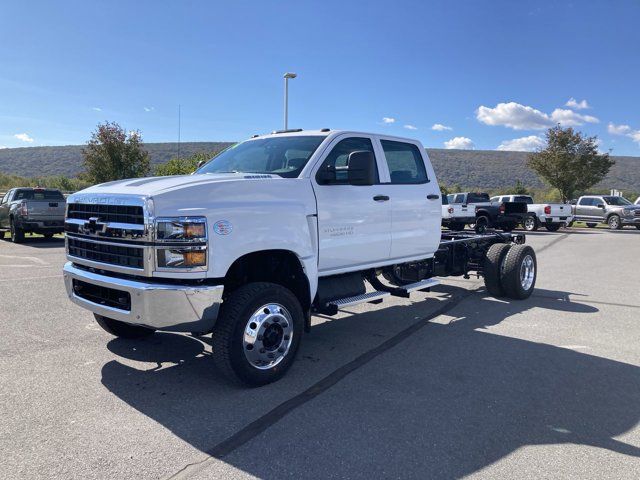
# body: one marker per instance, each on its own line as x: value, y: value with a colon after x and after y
x: 452, y: 399
x: 39, y: 242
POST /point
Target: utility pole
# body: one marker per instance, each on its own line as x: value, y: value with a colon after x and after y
x: 287, y: 76
x: 179, y: 120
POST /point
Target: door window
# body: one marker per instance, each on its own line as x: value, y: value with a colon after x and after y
x: 459, y: 198
x: 338, y: 159
x: 586, y: 202
x: 405, y: 162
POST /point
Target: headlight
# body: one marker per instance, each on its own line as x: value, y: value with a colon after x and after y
x: 189, y: 229
x: 181, y: 242
x: 627, y: 212
x: 182, y: 257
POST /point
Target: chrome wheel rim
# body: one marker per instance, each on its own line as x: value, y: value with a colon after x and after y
x: 527, y: 272
x: 528, y: 223
x: 613, y: 222
x: 268, y: 335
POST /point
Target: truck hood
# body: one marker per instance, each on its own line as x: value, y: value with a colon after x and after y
x: 157, y: 185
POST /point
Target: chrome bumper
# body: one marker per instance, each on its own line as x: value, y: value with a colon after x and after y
x: 156, y: 305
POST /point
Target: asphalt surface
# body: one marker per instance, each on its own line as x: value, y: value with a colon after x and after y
x: 448, y: 384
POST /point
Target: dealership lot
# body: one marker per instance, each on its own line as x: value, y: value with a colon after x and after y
x: 444, y: 385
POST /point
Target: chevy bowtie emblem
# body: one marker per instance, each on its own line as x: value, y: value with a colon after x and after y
x: 93, y: 226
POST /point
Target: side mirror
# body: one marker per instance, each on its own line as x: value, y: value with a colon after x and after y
x: 200, y: 163
x: 600, y: 205
x: 361, y: 168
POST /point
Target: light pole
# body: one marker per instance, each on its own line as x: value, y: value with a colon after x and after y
x: 287, y: 76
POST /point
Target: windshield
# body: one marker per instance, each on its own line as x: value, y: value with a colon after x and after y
x: 284, y: 156
x: 619, y: 201
x: 477, y: 197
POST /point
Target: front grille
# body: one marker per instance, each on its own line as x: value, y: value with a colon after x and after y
x: 106, y: 213
x: 109, y: 297
x: 113, y: 254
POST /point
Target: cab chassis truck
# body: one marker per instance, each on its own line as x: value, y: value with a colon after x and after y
x: 269, y: 232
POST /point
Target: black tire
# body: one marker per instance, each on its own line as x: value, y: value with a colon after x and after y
x: 17, y: 234
x: 492, y: 267
x: 481, y: 225
x: 530, y: 224
x: 1, y: 234
x: 553, y: 227
x: 229, y: 331
x: 512, y: 271
x: 592, y: 225
x: 456, y: 226
x: 638, y: 227
x: 122, y: 329
x: 614, y: 222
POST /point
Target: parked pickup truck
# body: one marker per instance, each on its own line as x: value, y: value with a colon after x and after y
x: 614, y: 211
x: 456, y: 215
x: 31, y: 210
x: 268, y: 232
x: 551, y: 215
x: 503, y: 215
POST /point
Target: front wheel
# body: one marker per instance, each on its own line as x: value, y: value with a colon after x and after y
x: 552, y: 227
x: 122, y: 329
x: 530, y: 224
x: 614, y: 222
x: 481, y: 225
x: 519, y: 272
x: 257, y: 335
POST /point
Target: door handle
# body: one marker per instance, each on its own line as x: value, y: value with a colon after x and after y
x: 381, y: 198
x: 433, y: 196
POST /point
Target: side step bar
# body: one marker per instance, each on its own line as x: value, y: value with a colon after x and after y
x: 421, y: 285
x: 332, y: 307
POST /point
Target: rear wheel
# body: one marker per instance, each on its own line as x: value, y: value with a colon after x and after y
x: 17, y: 234
x: 258, y: 333
x: 530, y: 224
x: 519, y: 272
x: 492, y: 267
x: 481, y: 225
x: 614, y: 222
x: 552, y: 227
x: 122, y: 329
x: 592, y: 225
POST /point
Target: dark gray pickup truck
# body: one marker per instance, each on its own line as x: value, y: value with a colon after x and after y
x: 32, y: 210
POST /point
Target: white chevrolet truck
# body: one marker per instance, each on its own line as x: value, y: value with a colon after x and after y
x: 267, y: 233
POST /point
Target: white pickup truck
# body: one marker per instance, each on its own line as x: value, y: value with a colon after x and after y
x: 268, y: 232
x: 456, y: 215
x: 550, y: 215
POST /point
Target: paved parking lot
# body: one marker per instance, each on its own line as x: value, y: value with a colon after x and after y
x: 445, y: 385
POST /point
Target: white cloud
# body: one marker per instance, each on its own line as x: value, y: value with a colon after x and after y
x: 388, y: 120
x: 522, y: 117
x: 149, y: 109
x: 522, y: 144
x: 410, y: 127
x: 625, y: 130
x: 569, y: 118
x: 2, y: 146
x: 438, y: 127
x: 461, y: 143
x: 573, y: 103
x: 97, y: 109
x: 23, y: 137
x: 618, y: 129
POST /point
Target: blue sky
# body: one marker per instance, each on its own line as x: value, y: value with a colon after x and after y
x: 490, y: 73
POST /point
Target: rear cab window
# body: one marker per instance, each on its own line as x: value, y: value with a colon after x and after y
x: 405, y: 162
x: 477, y: 197
x: 44, y: 195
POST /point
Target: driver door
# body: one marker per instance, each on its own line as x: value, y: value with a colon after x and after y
x: 354, y: 221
